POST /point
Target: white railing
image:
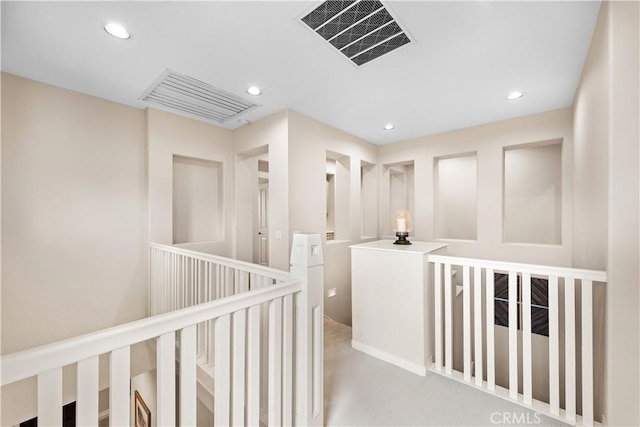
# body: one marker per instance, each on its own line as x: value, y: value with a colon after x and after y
x: 180, y: 278
x: 294, y: 325
x: 478, y: 330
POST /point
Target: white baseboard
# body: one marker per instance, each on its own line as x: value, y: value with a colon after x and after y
x: 390, y: 358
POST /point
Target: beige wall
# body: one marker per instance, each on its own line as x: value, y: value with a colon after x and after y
x: 74, y: 220
x: 297, y: 149
x: 533, y: 194
x: 396, y: 191
x: 198, y: 205
x: 74, y: 214
x: 488, y: 142
x: 622, y: 384
x: 455, y: 188
x: 169, y: 135
x: 607, y: 216
x: 591, y: 180
x: 309, y: 141
x: 75, y: 209
x: 268, y: 135
x: 590, y: 151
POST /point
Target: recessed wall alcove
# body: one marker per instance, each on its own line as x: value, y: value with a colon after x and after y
x: 455, y: 194
x: 399, y: 180
x: 338, y: 177
x: 532, y: 202
x: 198, y: 207
x: 368, y: 197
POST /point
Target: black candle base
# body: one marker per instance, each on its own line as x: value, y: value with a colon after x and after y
x: 402, y: 239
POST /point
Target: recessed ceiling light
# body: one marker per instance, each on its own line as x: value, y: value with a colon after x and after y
x: 254, y: 90
x: 388, y: 126
x: 117, y: 30
x: 514, y: 95
x: 243, y: 121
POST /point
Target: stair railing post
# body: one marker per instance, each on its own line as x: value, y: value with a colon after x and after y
x: 307, y: 265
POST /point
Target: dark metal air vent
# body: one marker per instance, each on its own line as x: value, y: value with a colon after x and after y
x: 191, y: 97
x: 361, y: 30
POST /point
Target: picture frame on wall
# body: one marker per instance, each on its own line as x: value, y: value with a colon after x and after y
x: 142, y: 412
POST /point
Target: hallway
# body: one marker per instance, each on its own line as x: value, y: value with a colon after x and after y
x: 360, y: 390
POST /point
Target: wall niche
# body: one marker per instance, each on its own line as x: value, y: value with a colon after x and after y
x: 400, y: 178
x: 532, y: 202
x: 455, y: 192
x: 338, y: 177
x: 198, y: 207
x: 368, y: 198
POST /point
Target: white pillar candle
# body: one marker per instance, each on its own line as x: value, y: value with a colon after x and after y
x: 402, y: 226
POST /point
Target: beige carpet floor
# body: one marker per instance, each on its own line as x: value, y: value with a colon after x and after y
x: 360, y: 390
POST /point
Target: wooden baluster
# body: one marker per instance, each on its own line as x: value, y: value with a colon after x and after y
x: 87, y: 403
x: 466, y: 322
x: 287, y: 361
x: 50, y: 398
x: 188, y: 402
x: 119, y: 378
x: 554, y: 347
x: 448, y: 321
x: 438, y: 314
x: 477, y: 323
x: 526, y: 340
x: 513, y: 335
x: 490, y: 305
x: 570, y: 348
x: 275, y: 362
x: 166, y: 378
x: 253, y: 366
x: 238, y: 375
x: 587, y: 352
x: 222, y: 371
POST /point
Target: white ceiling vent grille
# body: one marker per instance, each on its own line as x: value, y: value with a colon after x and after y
x: 361, y: 30
x: 188, y: 96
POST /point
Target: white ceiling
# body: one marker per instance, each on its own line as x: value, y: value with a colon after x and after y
x: 465, y: 58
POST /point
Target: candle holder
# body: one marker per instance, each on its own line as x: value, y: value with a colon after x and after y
x: 402, y: 238
x: 402, y: 225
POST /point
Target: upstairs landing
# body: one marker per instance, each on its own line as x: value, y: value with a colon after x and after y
x: 360, y: 390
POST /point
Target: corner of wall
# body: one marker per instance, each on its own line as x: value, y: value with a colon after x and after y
x: 622, y: 386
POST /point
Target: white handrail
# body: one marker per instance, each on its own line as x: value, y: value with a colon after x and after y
x: 222, y: 301
x: 520, y: 356
x: 24, y: 364
x: 227, y: 262
x: 544, y: 270
x: 180, y: 278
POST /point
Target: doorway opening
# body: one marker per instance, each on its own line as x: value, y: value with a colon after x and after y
x: 261, y: 217
x: 252, y: 206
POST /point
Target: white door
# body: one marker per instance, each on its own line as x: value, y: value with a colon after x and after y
x: 263, y: 222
